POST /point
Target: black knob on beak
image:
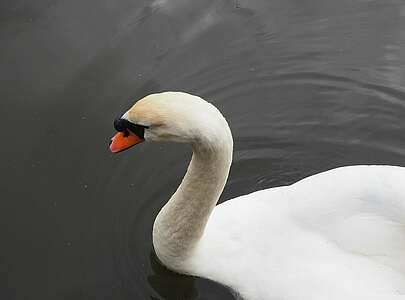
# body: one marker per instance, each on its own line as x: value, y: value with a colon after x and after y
x: 121, y: 125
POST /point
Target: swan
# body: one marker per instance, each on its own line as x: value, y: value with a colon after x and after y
x: 339, y: 234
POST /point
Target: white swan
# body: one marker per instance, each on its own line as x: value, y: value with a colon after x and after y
x: 335, y: 235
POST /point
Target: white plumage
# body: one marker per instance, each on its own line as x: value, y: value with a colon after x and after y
x: 335, y: 235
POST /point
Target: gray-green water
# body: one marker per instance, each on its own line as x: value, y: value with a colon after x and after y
x: 306, y: 86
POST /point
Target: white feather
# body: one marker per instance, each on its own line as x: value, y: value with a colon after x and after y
x: 339, y: 234
x: 335, y: 235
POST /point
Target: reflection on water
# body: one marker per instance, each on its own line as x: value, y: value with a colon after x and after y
x: 306, y: 86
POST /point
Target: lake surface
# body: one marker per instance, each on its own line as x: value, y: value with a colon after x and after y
x: 305, y: 85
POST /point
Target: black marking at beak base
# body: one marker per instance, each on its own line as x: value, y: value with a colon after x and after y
x: 123, y: 125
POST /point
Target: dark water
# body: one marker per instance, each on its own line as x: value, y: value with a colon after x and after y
x: 306, y: 86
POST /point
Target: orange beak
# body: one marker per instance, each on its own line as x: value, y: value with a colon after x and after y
x: 120, y: 142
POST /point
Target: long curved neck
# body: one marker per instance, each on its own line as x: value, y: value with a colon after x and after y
x: 181, y: 222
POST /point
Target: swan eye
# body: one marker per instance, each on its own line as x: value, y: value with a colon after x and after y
x: 123, y: 125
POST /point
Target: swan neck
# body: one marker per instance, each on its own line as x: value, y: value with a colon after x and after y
x: 181, y: 222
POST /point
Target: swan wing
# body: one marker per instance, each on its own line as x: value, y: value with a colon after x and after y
x: 359, y: 208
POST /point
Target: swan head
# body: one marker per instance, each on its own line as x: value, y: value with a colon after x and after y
x: 169, y: 116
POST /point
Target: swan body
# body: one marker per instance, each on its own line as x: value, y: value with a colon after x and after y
x: 335, y: 235
x: 339, y: 234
